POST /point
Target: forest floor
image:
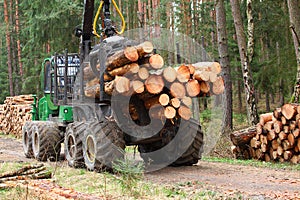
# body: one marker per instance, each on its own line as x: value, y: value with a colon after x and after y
x: 229, y: 181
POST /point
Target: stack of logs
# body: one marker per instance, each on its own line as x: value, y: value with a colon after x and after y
x: 14, y: 113
x: 275, y: 138
x: 137, y: 70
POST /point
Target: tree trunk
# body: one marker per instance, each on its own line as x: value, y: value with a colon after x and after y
x: 224, y: 61
x: 294, y: 13
x: 247, y: 77
x: 18, y: 37
x: 8, y: 46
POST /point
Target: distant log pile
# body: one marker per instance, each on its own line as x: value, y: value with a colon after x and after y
x: 14, y: 113
x: 275, y: 138
x: 137, y: 70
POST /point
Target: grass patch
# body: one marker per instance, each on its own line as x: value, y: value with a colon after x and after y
x: 254, y: 163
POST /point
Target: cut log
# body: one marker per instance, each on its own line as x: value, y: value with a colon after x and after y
x: 122, y: 84
x: 264, y: 147
x: 192, y: 69
x: 121, y: 58
x: 283, y: 120
x: 289, y: 111
x: 143, y: 73
x: 259, y: 129
x: 291, y: 139
x: 187, y: 101
x: 137, y: 86
x: 154, y: 84
x: 277, y: 126
x: 298, y: 144
x: 286, y: 129
x: 156, y: 61
x: 177, y: 90
x: 271, y: 135
x: 280, y: 150
x: 268, y: 126
x: 183, y: 74
x: 212, y: 77
x: 185, y: 112
x: 170, y: 74
x: 295, y: 159
x: 208, y: 66
x: 275, y: 144
x: 170, y: 112
x: 201, y: 75
x: 282, y: 135
x: 175, y: 102
x: 242, y: 137
x: 287, y: 155
x: 193, y: 88
x: 254, y: 143
x: 144, y: 48
x: 129, y: 69
x: 286, y: 145
x: 296, y: 132
x: 264, y: 118
x: 277, y: 113
x: 204, y: 87
x: 218, y: 86
x: 164, y: 99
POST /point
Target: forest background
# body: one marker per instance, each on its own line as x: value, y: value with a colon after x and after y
x: 264, y: 44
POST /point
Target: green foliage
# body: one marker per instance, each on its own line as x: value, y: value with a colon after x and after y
x: 254, y: 163
x: 129, y: 174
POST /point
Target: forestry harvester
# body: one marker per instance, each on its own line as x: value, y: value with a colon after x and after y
x: 123, y: 104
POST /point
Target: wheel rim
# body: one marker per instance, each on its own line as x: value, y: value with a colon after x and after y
x: 71, y: 146
x: 36, y: 142
x: 90, y: 150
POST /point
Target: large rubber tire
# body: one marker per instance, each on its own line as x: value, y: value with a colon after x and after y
x: 27, y: 139
x: 46, y: 141
x: 73, y: 144
x: 103, y: 144
x: 185, y: 150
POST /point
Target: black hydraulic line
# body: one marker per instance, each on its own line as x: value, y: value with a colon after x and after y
x: 66, y: 78
x: 55, y: 80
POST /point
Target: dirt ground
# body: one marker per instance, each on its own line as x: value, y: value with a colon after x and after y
x: 250, y: 182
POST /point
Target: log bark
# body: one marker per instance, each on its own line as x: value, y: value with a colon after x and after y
x: 242, y: 137
x: 121, y: 58
x: 129, y: 69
